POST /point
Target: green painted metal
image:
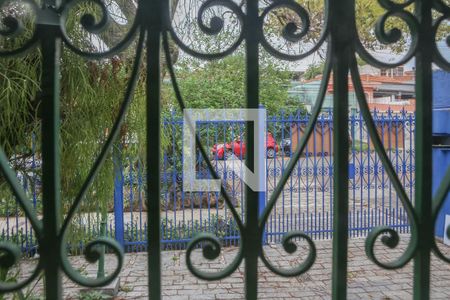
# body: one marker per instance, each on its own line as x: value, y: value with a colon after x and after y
x: 251, y: 238
x: 423, y: 144
x: 341, y: 49
x: 389, y: 237
x: 153, y: 26
x: 50, y: 244
x: 152, y: 15
x: 101, y: 261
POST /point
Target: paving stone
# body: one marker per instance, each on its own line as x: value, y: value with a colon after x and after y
x: 365, y: 279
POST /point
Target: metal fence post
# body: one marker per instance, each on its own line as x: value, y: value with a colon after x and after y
x: 261, y: 194
x: 341, y: 37
x: 118, y: 196
x: 51, y: 244
x: 262, y: 205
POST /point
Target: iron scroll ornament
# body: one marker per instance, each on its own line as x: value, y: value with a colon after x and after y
x: 444, y: 10
x: 89, y: 23
x: 389, y: 236
x: 14, y: 27
x: 58, y: 16
x: 211, y: 244
x: 291, y: 31
x: 92, y: 253
x: 11, y: 252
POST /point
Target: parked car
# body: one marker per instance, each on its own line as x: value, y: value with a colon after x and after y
x: 239, y: 148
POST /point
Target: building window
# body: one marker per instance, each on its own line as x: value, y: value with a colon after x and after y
x: 398, y: 71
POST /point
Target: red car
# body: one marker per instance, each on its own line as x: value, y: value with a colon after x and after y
x: 239, y: 149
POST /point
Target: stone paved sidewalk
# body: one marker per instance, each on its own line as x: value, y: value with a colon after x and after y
x: 365, y: 279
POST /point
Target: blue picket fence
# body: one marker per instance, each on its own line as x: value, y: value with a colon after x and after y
x: 305, y: 203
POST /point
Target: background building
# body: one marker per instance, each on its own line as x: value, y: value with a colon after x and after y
x: 385, y: 89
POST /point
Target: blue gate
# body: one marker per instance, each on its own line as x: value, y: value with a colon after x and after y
x: 305, y: 203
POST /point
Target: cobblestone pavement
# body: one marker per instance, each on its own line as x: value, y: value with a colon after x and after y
x: 365, y: 279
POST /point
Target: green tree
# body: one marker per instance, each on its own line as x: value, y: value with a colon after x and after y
x: 221, y: 84
x: 91, y: 93
x: 313, y: 70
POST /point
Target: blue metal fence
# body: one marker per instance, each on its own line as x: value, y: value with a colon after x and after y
x: 305, y: 204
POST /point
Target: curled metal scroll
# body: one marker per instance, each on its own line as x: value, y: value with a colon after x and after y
x: 11, y: 253
x: 128, y: 97
x: 289, y: 31
x: 438, y: 58
x: 92, y: 253
x: 290, y: 247
x: 211, y: 244
x: 287, y: 239
x: 182, y: 106
x: 393, y: 35
x: 92, y: 249
x: 88, y: 22
x: 211, y: 250
x: 389, y: 236
x: 14, y: 27
x: 10, y: 256
x: 214, y: 27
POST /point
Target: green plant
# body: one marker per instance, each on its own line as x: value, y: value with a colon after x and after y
x: 7, y: 276
x: 218, y: 226
x: 93, y: 295
x: 12, y: 275
x: 360, y: 146
x: 126, y: 288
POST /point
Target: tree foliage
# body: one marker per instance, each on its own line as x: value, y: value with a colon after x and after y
x: 221, y: 84
x: 368, y: 12
x: 91, y: 93
x: 313, y: 70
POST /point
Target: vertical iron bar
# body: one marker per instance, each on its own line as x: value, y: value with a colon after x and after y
x: 251, y: 235
x: 101, y: 260
x: 50, y: 245
x: 423, y: 192
x: 342, y: 13
x: 153, y: 18
x: 118, y: 195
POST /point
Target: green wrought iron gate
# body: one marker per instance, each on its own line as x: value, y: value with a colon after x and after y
x: 153, y: 28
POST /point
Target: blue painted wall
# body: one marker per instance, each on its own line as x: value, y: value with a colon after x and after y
x: 441, y: 126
